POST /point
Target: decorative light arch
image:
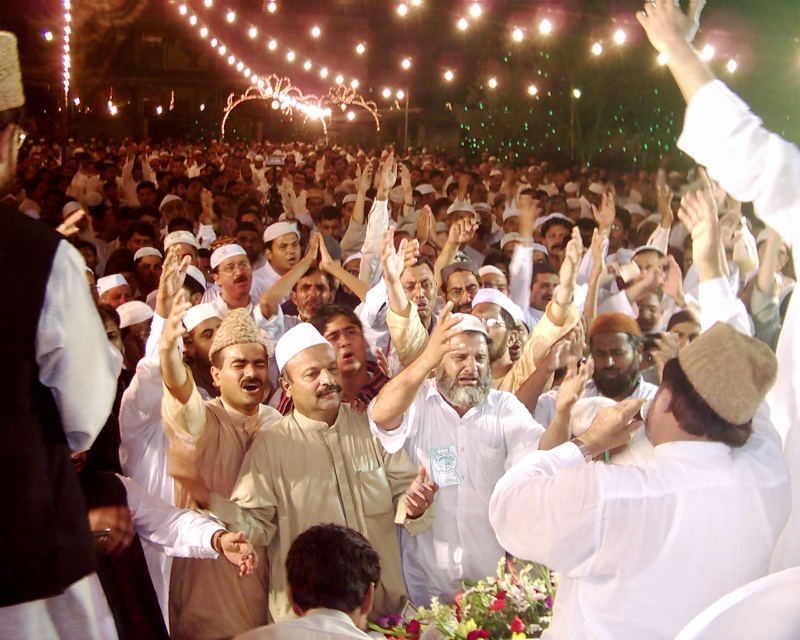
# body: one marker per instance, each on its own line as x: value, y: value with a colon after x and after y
x: 344, y: 96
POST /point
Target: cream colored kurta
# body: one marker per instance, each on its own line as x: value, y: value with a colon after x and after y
x: 208, y: 600
x: 302, y: 472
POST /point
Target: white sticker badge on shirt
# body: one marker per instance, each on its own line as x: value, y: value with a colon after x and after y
x: 444, y: 466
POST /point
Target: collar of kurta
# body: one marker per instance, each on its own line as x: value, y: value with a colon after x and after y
x: 695, y: 449
x: 239, y: 419
x: 308, y: 424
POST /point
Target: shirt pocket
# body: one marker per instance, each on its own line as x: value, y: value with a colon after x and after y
x: 490, y: 466
x: 376, y: 494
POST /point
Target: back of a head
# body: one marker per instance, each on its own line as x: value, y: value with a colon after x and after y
x: 331, y: 567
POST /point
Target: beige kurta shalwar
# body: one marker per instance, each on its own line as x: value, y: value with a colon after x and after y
x: 208, y: 600
x: 303, y: 472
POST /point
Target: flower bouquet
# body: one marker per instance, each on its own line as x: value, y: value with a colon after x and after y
x: 516, y: 604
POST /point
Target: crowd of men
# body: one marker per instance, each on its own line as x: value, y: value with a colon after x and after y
x: 322, y: 381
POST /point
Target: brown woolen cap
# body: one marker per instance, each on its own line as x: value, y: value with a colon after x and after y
x: 730, y: 370
x: 237, y: 328
x: 614, y: 322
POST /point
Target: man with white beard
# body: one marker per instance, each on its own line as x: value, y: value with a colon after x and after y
x: 465, y: 434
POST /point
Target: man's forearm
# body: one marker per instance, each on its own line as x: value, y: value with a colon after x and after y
x: 173, y: 372
x: 398, y: 394
x: 273, y: 296
x: 558, y: 431
x: 689, y: 71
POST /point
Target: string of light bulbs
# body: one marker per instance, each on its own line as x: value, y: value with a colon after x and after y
x: 274, y: 46
x: 67, y: 58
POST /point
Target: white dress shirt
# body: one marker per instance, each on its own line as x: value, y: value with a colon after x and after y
x: 465, y: 456
x: 641, y: 551
x: 316, y: 624
x: 755, y: 165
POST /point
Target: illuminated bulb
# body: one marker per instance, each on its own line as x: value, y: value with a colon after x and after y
x: 48, y: 35
x: 475, y: 10
x: 576, y: 93
x: 202, y: 107
x: 545, y: 26
x: 275, y: 104
x: 307, y: 65
x: 252, y: 32
x: 354, y: 84
x: 707, y: 53
x: 208, y: 3
x: 260, y: 84
x: 272, y: 45
x: 214, y: 42
x: 231, y: 59
x: 387, y: 93
x: 406, y: 63
x: 463, y: 24
x: 402, y: 9
x: 619, y: 36
x: 360, y: 48
x: 663, y: 58
x: 449, y: 75
x: 193, y: 20
x: 67, y: 17
x: 183, y: 9
x: 492, y: 83
x: 159, y: 110
x: 203, y: 32
x: 416, y: 3
x: 315, y: 31
x: 351, y: 116
x: 113, y: 110
x: 516, y: 35
x: 290, y: 56
x: 732, y: 66
x: 400, y: 94
x: 247, y: 73
x: 77, y: 102
x: 323, y: 73
x: 230, y: 16
x: 597, y: 48
x: 339, y: 79
x: 272, y: 7
x: 532, y: 90
x: 240, y: 66
x: 222, y: 50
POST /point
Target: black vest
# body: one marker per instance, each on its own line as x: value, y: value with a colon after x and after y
x: 45, y: 543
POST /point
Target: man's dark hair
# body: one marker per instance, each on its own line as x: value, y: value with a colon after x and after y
x: 329, y: 312
x: 83, y: 244
x: 193, y: 286
x: 107, y: 312
x: 330, y: 212
x: 331, y: 567
x: 422, y: 260
x: 451, y: 188
x: 624, y: 217
x: 693, y: 413
x: 312, y: 272
x: 196, y: 179
x: 142, y: 228
x: 494, y: 258
x: 147, y: 211
x: 681, y: 316
x: 540, y: 268
x: 439, y: 204
x: 180, y: 224
x: 145, y: 185
x: 245, y: 226
x: 120, y: 261
x: 556, y: 222
x: 250, y: 205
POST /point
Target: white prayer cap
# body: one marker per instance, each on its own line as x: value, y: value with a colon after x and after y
x: 259, y: 158
x: 396, y: 194
x: 93, y: 199
x: 651, y: 219
x: 597, y: 188
x: 350, y: 197
x: 549, y: 189
x: 559, y: 216
x: 177, y: 237
x: 199, y: 313
x: 109, y: 282
x: 470, y: 323
x: 355, y: 256
x: 133, y: 312
x: 167, y: 199
x: 146, y: 251
x: 633, y: 207
x: 484, y: 271
x: 511, y: 212
x: 482, y: 207
x: 573, y: 203
x: 501, y: 300
x: 462, y: 205
x: 540, y: 247
x: 297, y: 339
x: 224, y: 252
x: 279, y: 229
x: 540, y: 221
x: 495, y: 172
x: 425, y: 189
x: 571, y: 187
x: 71, y: 207
x: 647, y: 247
x: 623, y: 255
x: 510, y: 237
x: 11, y: 93
x: 195, y: 274
x: 343, y: 188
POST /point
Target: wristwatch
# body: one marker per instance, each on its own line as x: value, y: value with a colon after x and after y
x: 583, y: 448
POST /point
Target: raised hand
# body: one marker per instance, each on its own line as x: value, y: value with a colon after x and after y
x: 424, y: 227
x: 698, y: 215
x: 405, y: 182
x: 69, y: 227
x: 383, y: 362
x: 664, y: 196
x: 673, y: 285
x: 173, y: 272
x: 667, y: 347
x: 613, y: 426
x: 598, y: 249
x: 420, y: 494
x: 364, y: 178
x: 461, y: 232
x: 530, y: 211
x: 393, y: 262
x: 571, y: 258
x: 239, y: 552
x: 326, y: 263
x: 606, y: 214
x: 388, y: 177
x: 667, y: 26
x: 444, y: 339
x: 173, y: 327
x: 574, y: 384
x: 207, y: 200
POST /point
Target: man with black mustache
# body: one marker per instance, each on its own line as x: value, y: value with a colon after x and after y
x: 615, y: 341
x: 320, y: 464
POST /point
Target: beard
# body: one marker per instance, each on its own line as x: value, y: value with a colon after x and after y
x: 498, y: 348
x: 463, y: 397
x: 614, y: 383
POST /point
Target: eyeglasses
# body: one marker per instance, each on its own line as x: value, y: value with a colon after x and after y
x: 244, y: 265
x: 458, y: 292
x: 489, y: 323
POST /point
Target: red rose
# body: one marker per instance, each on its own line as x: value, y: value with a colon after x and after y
x: 501, y: 595
x: 413, y: 627
x: 477, y: 634
x: 497, y: 605
x: 517, y: 625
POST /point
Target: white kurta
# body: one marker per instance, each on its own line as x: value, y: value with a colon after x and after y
x: 755, y: 165
x: 641, y: 551
x: 316, y: 624
x: 466, y: 456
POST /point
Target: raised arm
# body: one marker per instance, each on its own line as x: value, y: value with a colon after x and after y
x: 272, y: 297
x: 173, y: 371
x: 564, y: 298
x: 334, y: 268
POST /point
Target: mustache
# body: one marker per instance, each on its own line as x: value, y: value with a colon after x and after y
x: 328, y: 388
